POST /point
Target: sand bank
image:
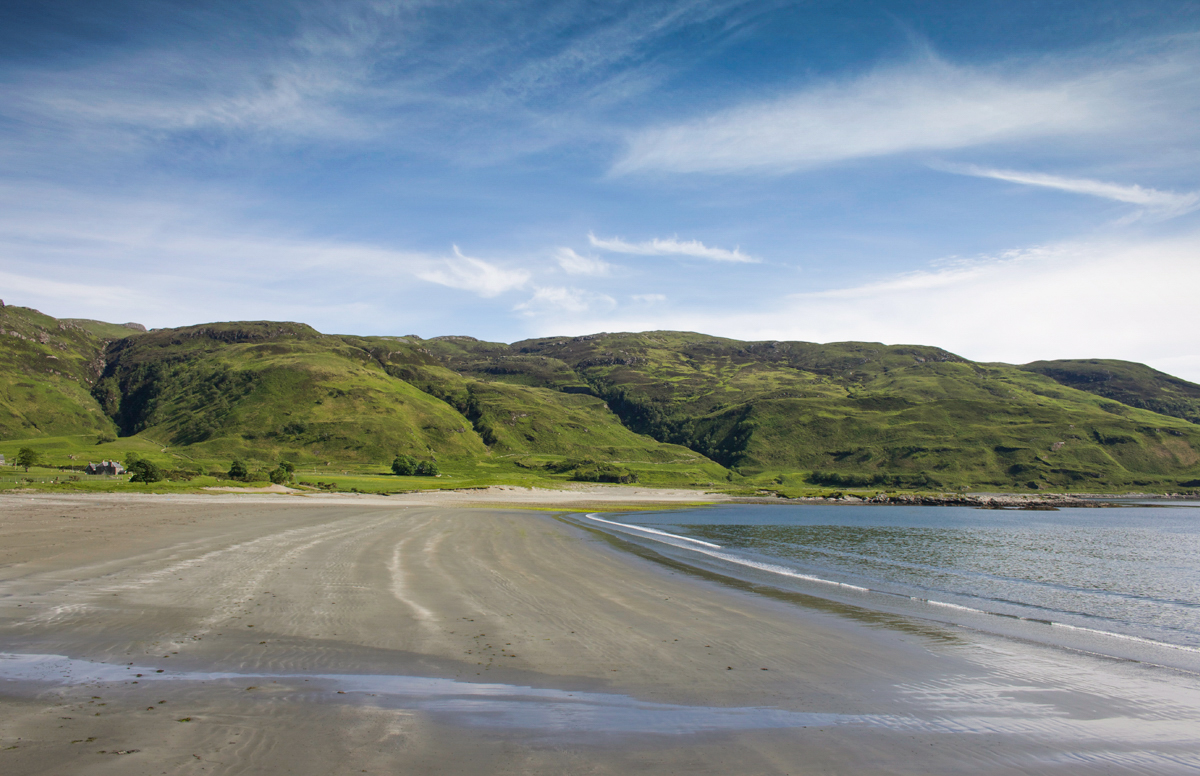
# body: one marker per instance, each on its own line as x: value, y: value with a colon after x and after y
x: 349, y: 635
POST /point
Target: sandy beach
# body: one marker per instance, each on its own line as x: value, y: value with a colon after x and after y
x: 433, y: 633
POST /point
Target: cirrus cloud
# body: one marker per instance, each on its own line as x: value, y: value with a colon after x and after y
x: 924, y: 106
x: 475, y: 275
x: 671, y: 246
x: 1163, y: 204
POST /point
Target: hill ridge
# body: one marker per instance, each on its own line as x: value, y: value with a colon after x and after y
x: 858, y: 414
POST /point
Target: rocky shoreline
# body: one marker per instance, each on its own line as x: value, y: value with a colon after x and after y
x: 1041, y: 501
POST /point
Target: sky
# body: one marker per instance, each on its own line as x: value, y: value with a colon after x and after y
x: 1011, y: 180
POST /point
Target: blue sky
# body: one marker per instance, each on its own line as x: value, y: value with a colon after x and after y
x: 1010, y: 180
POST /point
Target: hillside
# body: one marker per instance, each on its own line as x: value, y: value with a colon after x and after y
x: 854, y: 414
x: 776, y: 414
x: 1136, y: 385
x: 47, y: 370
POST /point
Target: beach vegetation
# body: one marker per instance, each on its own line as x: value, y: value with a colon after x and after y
x: 404, y: 465
x: 238, y: 470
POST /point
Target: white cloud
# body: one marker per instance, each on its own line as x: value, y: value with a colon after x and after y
x: 1165, y: 204
x: 649, y: 298
x: 557, y: 300
x: 475, y: 275
x: 174, y: 262
x: 929, y: 105
x: 574, y: 264
x: 671, y: 246
x: 1132, y: 301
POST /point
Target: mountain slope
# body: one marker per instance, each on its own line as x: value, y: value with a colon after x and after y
x: 267, y: 390
x: 1136, y: 385
x: 47, y: 368
x: 841, y: 414
x: 854, y: 413
x: 270, y: 390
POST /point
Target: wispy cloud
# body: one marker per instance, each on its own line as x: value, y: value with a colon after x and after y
x: 671, y: 246
x: 923, y: 106
x: 474, y: 79
x: 574, y: 264
x: 167, y: 262
x: 558, y: 300
x: 475, y: 275
x: 1164, y: 204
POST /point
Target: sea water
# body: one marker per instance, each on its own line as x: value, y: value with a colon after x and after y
x: 1127, y: 578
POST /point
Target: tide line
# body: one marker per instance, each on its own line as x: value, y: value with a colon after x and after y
x: 653, y: 531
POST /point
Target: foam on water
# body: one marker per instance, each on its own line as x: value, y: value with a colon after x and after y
x: 643, y: 529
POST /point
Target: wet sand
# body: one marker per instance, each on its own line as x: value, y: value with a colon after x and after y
x: 352, y: 635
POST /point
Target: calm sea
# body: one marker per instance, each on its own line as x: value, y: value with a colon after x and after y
x: 1120, y: 580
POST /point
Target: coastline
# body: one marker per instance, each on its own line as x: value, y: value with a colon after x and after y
x: 280, y: 594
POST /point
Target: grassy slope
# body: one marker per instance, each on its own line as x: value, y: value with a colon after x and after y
x: 853, y: 414
x: 532, y: 412
x: 866, y: 413
x: 274, y: 390
x: 1124, y: 381
x: 105, y: 331
x: 47, y: 368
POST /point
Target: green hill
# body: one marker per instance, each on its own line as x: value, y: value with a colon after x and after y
x: 272, y: 390
x: 105, y: 331
x: 1136, y: 385
x: 676, y: 406
x: 47, y: 370
x: 855, y: 414
x: 268, y: 391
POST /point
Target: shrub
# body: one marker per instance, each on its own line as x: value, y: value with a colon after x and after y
x: 604, y: 472
x: 279, y: 475
x: 238, y: 470
x: 427, y: 469
x: 404, y: 465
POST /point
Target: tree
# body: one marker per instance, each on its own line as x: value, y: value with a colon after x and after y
x: 145, y: 471
x: 427, y: 469
x: 238, y: 470
x: 27, y: 457
x: 404, y: 465
x: 282, y: 473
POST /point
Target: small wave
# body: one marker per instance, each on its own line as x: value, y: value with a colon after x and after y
x: 1123, y: 636
x: 653, y: 531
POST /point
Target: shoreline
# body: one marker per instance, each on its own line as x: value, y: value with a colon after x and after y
x: 347, y: 635
x: 614, y: 497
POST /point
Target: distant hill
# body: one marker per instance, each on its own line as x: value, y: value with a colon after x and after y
x: 854, y: 413
x: 1127, y: 382
x: 771, y: 414
x: 104, y: 330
